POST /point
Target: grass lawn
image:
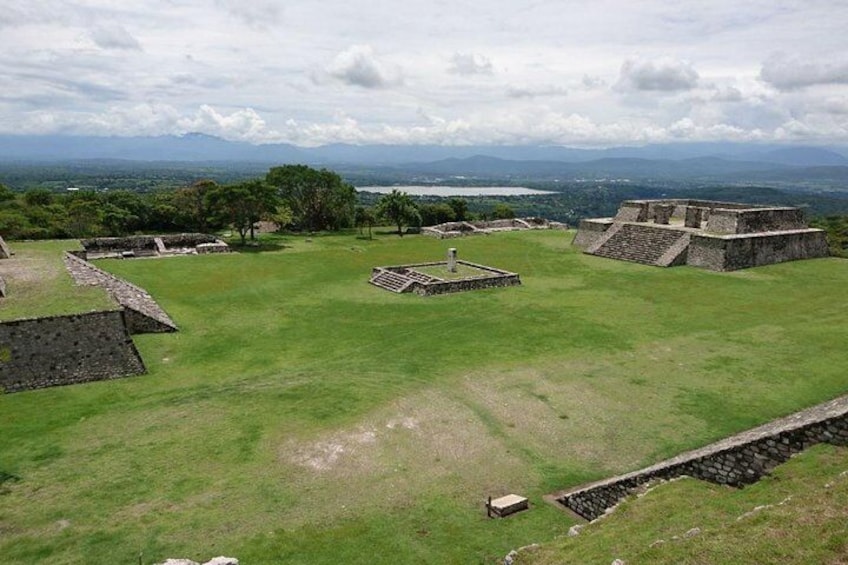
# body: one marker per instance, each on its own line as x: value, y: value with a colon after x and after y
x: 302, y: 415
x: 37, y: 283
x: 462, y: 272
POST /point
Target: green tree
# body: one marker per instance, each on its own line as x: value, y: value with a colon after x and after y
x: 399, y: 209
x: 460, y: 208
x: 318, y: 199
x: 192, y: 205
x: 503, y: 212
x: 432, y: 214
x: 243, y: 204
x: 363, y: 217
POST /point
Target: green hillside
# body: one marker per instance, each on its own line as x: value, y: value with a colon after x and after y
x: 302, y: 415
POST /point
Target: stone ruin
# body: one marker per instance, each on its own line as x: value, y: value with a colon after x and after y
x: 409, y: 278
x: 459, y: 229
x: 151, y: 246
x: 719, y: 236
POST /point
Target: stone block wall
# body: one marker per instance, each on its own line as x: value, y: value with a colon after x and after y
x: 735, y: 461
x: 632, y: 211
x: 5, y: 252
x: 590, y: 232
x: 144, y: 315
x: 63, y: 350
x: 770, y: 219
x: 730, y: 253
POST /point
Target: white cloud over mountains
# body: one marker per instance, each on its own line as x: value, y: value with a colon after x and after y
x: 662, y: 74
x: 427, y: 72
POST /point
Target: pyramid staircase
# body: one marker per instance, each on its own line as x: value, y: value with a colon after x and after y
x: 642, y: 243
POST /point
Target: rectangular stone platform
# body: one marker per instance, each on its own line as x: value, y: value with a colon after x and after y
x: 506, y: 505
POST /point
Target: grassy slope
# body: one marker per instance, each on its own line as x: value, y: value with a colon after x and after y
x: 798, y: 515
x: 304, y: 416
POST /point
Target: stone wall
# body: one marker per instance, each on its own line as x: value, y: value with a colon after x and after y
x: 462, y: 285
x: 590, y: 232
x: 5, y: 252
x: 148, y: 245
x: 144, y: 315
x: 63, y: 350
x: 735, y: 461
x: 729, y: 253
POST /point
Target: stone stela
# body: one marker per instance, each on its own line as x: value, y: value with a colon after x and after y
x: 452, y: 259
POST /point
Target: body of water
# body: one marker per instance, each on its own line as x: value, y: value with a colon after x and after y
x: 427, y: 190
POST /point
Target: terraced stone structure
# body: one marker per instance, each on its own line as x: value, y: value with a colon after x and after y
x: 720, y: 236
x: 410, y: 278
x: 152, y: 245
x: 460, y: 229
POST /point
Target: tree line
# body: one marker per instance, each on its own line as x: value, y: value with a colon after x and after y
x: 294, y: 197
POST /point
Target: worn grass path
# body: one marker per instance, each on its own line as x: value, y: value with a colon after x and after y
x: 302, y: 415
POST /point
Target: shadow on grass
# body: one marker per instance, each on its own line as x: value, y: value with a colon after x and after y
x: 257, y: 246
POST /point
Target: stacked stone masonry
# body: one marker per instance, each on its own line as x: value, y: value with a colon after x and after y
x: 736, y: 461
x: 720, y: 236
x: 404, y: 278
x: 460, y: 229
x: 152, y: 245
x: 63, y: 350
x: 143, y: 313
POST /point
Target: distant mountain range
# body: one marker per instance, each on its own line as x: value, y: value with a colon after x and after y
x: 657, y: 161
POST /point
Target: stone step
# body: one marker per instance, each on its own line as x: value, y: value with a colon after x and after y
x: 392, y: 281
x: 638, y: 243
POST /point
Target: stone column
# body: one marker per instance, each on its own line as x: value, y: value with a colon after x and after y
x: 452, y: 259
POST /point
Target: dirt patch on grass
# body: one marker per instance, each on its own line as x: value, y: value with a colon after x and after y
x: 403, y: 451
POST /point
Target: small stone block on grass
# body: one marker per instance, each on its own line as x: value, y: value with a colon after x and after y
x: 506, y: 505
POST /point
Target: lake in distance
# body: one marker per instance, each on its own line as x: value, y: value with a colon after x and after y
x: 428, y: 190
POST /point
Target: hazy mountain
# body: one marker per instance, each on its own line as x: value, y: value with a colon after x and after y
x: 200, y: 147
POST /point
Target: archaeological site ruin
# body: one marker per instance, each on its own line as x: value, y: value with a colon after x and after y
x: 719, y: 236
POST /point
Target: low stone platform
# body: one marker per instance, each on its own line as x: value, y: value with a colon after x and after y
x: 460, y: 229
x: 406, y: 278
x: 506, y: 505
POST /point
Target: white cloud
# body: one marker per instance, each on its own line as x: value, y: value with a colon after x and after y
x: 661, y: 74
x: 791, y: 72
x: 358, y: 66
x: 114, y: 37
x: 258, y: 14
x: 546, y: 90
x: 470, y: 64
x: 349, y: 70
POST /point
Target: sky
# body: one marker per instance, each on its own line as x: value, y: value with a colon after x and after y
x: 447, y: 72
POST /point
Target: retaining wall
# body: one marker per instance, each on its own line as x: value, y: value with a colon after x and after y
x: 736, y: 461
x: 143, y: 313
x: 63, y: 350
x: 590, y: 232
x: 729, y: 253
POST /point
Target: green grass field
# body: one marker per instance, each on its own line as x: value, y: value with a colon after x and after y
x: 302, y: 415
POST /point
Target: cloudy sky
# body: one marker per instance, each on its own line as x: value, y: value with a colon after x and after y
x: 600, y: 73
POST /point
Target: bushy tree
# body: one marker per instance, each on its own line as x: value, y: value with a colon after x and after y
x: 460, y: 209
x: 364, y: 217
x: 319, y: 200
x: 243, y: 204
x: 432, y: 214
x: 192, y: 204
x: 399, y: 209
x: 503, y: 212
